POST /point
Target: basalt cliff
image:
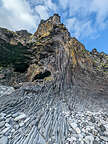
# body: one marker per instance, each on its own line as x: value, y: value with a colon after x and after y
x: 48, y: 54
x: 54, y: 76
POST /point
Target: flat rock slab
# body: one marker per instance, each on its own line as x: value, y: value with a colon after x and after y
x: 20, y: 117
x: 2, y: 124
x: 4, y: 90
x: 4, y: 140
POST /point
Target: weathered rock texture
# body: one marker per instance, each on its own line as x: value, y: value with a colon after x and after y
x: 62, y: 77
x: 14, y: 55
x: 50, y: 49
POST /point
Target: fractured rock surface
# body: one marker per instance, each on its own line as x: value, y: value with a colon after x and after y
x: 63, y: 98
x: 39, y: 114
x: 5, y: 90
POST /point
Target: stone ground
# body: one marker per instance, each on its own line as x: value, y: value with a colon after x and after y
x: 37, y: 115
x: 4, y: 90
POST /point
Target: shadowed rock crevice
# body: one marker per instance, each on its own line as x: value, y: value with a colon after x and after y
x: 21, y: 68
x: 43, y: 75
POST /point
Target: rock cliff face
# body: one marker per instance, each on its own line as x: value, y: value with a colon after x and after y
x: 14, y: 55
x: 50, y: 53
x: 47, y: 26
x: 64, y: 57
x: 61, y: 81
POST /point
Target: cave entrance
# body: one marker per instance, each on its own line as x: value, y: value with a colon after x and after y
x: 21, y: 68
x: 43, y: 75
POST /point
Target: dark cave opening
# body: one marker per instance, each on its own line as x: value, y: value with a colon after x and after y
x: 43, y: 75
x: 21, y: 68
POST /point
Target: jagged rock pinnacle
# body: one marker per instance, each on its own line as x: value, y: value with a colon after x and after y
x: 46, y: 26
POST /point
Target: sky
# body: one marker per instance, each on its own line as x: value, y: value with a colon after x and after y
x: 87, y: 20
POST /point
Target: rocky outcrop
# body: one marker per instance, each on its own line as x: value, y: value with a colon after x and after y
x: 15, y: 55
x: 63, y: 97
x: 65, y: 57
x: 14, y: 38
x: 45, y: 27
x: 50, y: 49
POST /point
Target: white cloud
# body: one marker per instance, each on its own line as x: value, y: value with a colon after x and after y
x: 43, y: 8
x: 86, y: 17
x: 47, y: 3
x: 50, y: 5
x: 42, y: 11
x: 63, y: 3
x: 79, y: 28
x: 100, y: 7
x: 16, y: 15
